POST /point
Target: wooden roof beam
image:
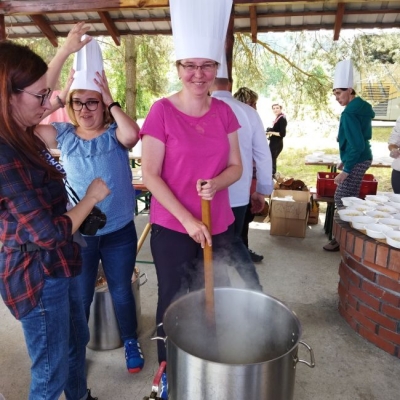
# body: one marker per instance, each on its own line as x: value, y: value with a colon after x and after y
x: 42, y: 24
x: 338, y: 21
x: 111, y: 27
x: 3, y: 35
x: 253, y: 23
x: 57, y: 6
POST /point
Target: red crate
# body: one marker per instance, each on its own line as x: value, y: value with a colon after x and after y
x: 369, y: 185
x: 326, y: 185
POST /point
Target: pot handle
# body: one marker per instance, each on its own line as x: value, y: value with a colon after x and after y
x: 164, y: 339
x: 145, y: 280
x: 311, y: 364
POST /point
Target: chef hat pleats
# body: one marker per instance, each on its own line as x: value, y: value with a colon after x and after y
x: 343, y: 75
x: 87, y: 62
x: 199, y: 27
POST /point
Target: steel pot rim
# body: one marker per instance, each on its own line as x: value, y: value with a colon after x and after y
x: 240, y: 290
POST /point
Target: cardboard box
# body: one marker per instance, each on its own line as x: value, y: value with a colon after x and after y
x: 289, y: 218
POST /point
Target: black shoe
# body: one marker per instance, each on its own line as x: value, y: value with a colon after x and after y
x: 256, y: 258
x: 89, y: 396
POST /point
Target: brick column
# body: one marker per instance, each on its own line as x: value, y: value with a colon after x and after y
x: 369, y: 287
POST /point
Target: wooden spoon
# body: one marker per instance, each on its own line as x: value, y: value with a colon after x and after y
x: 208, y: 264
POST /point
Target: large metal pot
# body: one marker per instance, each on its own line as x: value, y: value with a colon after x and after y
x: 103, y: 325
x: 253, y: 353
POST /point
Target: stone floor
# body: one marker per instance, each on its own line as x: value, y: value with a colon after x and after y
x: 297, y: 272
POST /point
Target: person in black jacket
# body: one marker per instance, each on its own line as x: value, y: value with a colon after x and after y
x: 276, y: 134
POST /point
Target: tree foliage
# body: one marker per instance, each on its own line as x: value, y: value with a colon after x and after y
x: 296, y: 68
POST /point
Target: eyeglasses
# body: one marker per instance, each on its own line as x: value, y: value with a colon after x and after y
x: 90, y: 105
x: 44, y: 97
x: 207, y: 67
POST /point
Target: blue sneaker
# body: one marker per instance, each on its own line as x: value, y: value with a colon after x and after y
x: 164, y: 386
x: 134, y: 356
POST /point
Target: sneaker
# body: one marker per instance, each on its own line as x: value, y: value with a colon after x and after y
x: 134, y: 356
x: 89, y: 396
x: 256, y: 258
x: 333, y: 245
x: 164, y: 386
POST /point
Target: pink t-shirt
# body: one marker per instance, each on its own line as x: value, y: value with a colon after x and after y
x: 195, y: 148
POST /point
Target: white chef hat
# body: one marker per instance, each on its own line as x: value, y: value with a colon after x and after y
x: 199, y: 27
x: 88, y: 60
x: 343, y: 75
x: 223, y: 68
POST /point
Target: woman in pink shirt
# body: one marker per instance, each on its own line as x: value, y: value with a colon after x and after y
x: 187, y: 139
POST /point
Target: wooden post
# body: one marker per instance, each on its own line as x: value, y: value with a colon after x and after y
x: 130, y: 70
x: 3, y: 35
x: 229, y: 42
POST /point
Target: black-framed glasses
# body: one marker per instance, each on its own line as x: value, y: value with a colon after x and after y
x: 90, y: 105
x: 206, y: 67
x: 43, y: 97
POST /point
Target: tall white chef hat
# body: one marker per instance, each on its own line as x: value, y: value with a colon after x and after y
x: 223, y: 68
x: 88, y: 60
x: 343, y: 75
x: 199, y: 27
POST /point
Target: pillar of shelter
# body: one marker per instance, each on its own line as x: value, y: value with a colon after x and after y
x: 2, y: 28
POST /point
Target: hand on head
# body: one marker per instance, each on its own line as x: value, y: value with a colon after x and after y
x: 102, y: 83
x: 74, y: 41
x: 64, y: 92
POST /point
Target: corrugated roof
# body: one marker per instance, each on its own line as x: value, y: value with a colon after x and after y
x: 51, y: 19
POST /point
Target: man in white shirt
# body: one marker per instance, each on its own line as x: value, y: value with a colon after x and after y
x: 253, y: 146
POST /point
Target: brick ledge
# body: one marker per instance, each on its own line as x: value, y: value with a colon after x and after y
x: 369, y: 287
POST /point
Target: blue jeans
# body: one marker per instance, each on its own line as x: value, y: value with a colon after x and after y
x: 117, y: 252
x: 56, y: 335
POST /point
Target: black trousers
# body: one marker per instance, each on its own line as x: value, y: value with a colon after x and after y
x: 396, y: 181
x: 276, y: 149
x: 179, y: 266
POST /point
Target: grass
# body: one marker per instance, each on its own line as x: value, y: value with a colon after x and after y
x: 291, y: 163
x: 381, y: 134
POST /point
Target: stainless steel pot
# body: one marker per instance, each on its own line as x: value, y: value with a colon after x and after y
x: 254, y: 353
x: 103, y: 325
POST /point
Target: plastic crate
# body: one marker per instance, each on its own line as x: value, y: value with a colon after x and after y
x: 369, y: 185
x: 326, y: 186
x: 325, y: 183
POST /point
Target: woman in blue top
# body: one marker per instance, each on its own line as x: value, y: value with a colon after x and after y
x: 95, y: 144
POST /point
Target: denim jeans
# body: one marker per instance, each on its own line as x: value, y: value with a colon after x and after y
x: 56, y: 335
x: 117, y: 252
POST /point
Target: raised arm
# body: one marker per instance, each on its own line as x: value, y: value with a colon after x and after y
x: 72, y: 44
x: 128, y: 129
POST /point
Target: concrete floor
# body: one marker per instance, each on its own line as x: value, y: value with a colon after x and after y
x: 297, y: 272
